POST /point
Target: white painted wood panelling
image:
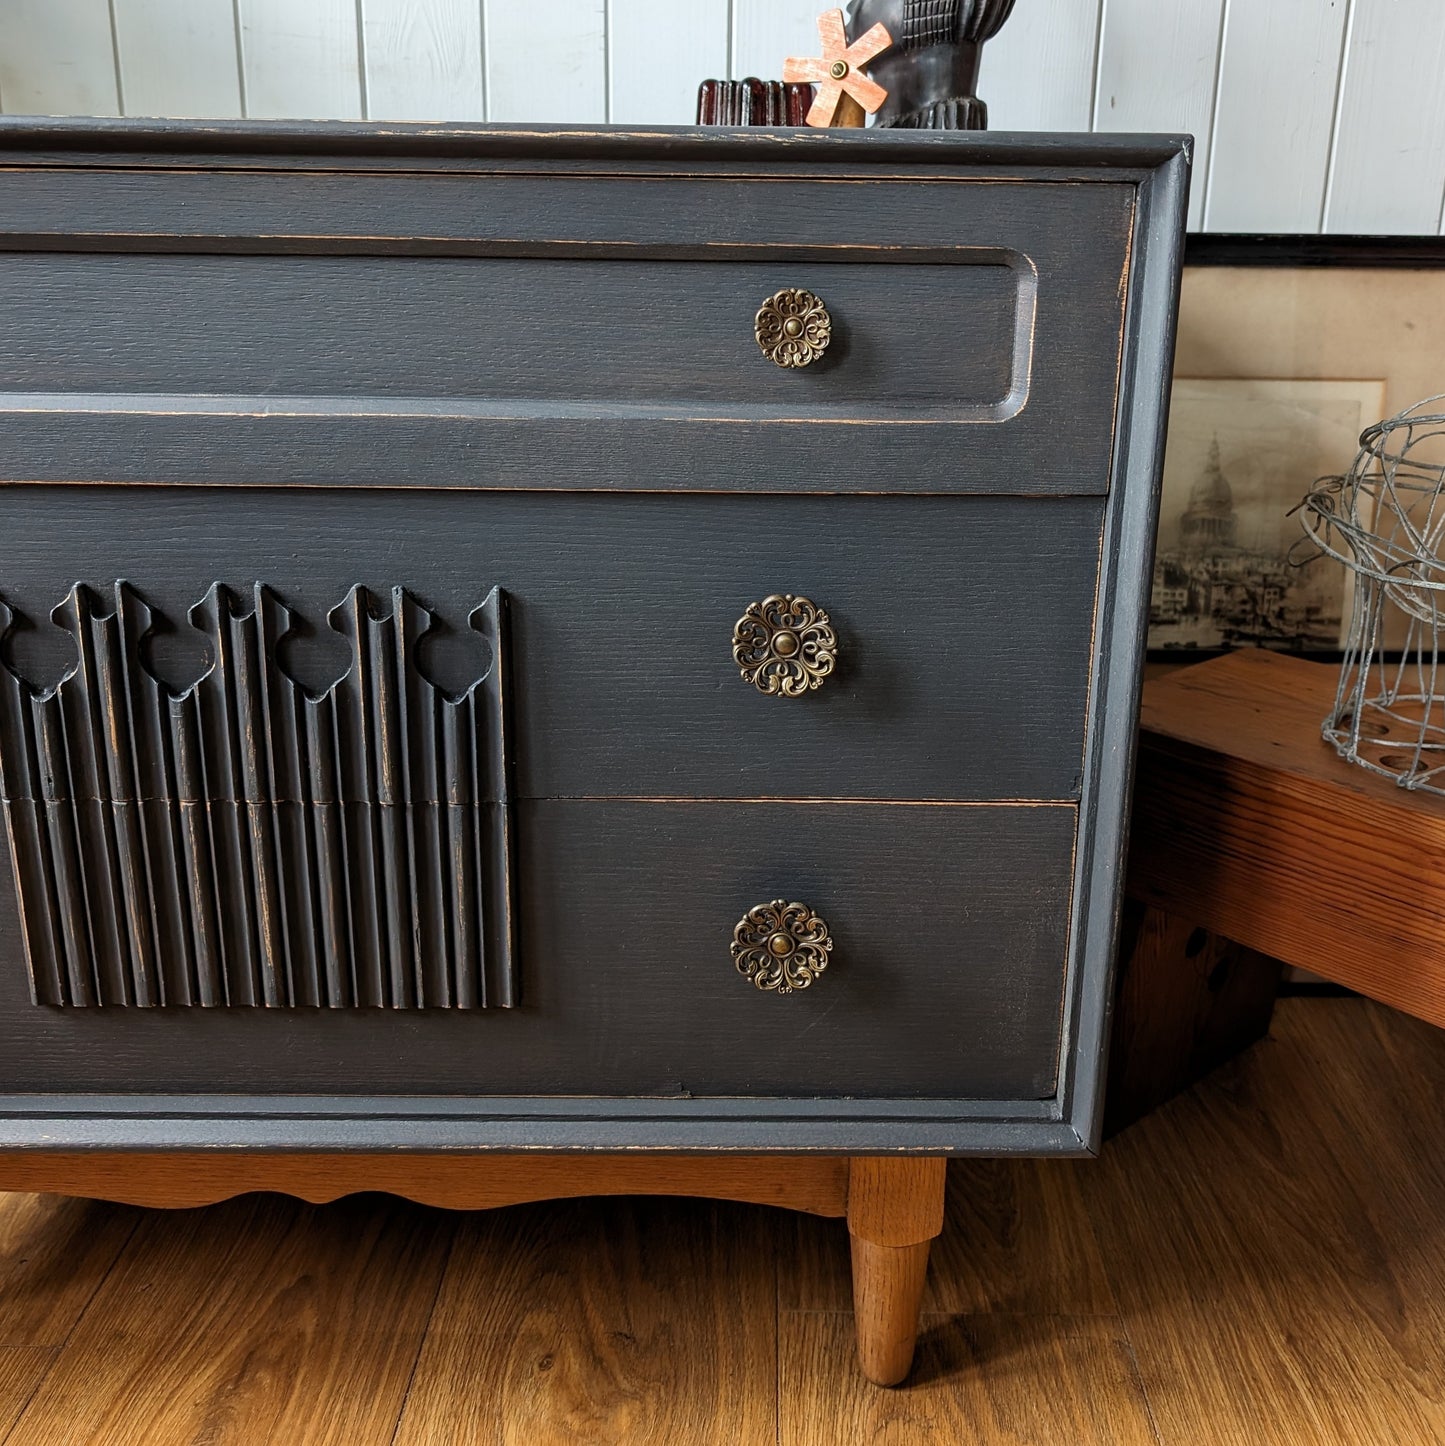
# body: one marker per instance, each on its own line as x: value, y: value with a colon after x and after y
x: 767, y: 32
x: 1038, y: 71
x: 57, y: 57
x: 178, y: 57
x: 1307, y: 114
x: 1278, y: 77
x: 1389, y: 163
x: 546, y: 60
x: 1157, y: 68
x: 423, y: 59
x: 658, y: 51
x: 300, y: 58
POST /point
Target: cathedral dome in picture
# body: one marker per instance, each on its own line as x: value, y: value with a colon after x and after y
x: 1209, y: 522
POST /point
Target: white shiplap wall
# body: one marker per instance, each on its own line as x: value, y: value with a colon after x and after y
x: 1310, y: 114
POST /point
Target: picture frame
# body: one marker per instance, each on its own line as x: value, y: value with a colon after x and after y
x: 1288, y: 347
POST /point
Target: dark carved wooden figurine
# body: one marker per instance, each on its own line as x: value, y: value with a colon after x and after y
x: 931, y: 73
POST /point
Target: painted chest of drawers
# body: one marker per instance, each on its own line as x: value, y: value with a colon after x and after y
x: 549, y: 662
x: 459, y: 690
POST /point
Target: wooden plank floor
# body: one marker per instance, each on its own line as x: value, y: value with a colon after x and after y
x: 1260, y: 1262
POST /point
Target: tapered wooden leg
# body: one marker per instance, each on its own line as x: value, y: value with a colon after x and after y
x: 887, y: 1288
x: 895, y: 1208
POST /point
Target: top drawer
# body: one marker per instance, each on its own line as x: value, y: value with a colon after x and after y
x: 504, y: 330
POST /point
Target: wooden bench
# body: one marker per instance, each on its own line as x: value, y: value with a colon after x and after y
x: 1255, y: 845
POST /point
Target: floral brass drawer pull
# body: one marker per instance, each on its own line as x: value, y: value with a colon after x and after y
x: 793, y: 328
x: 784, y: 645
x: 781, y: 946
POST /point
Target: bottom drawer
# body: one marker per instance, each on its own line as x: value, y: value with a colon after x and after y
x: 946, y: 979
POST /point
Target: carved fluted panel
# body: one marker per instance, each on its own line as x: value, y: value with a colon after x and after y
x: 247, y: 840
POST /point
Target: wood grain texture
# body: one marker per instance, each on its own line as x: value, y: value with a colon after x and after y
x: 54, y: 1254
x: 1185, y: 1001
x: 423, y: 59
x: 22, y: 1368
x: 339, y: 210
x: 546, y: 60
x: 1015, y: 1240
x: 1241, y: 809
x: 895, y: 1208
x: 631, y: 619
x: 1269, y: 1237
x: 896, y: 1200
x: 606, y: 1007
x: 178, y: 57
x: 887, y: 1287
x: 467, y: 330
x: 300, y: 60
x: 817, y: 1185
x: 1274, y: 115
x: 1387, y: 171
x: 601, y: 1323
x: 985, y: 1379
x: 1158, y: 64
x: 256, y: 1321
x: 260, y: 840
x: 57, y: 58
x: 476, y: 395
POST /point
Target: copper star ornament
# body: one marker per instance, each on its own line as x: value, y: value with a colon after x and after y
x: 843, y: 93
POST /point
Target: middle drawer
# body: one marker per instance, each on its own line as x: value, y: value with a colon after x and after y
x: 963, y: 624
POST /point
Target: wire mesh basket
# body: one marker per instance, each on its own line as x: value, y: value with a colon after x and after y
x: 1385, y: 520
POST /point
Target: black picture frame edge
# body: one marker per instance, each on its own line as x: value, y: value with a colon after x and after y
x: 1231, y: 248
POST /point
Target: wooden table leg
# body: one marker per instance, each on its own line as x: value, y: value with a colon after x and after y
x: 895, y: 1208
x: 1186, y: 1001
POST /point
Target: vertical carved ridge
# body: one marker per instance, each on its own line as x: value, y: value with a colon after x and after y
x: 493, y: 822
x: 195, y: 836
x: 455, y: 818
x: 257, y: 822
x: 328, y: 859
x: 218, y: 733
x: 132, y: 875
x: 419, y: 747
x: 87, y: 793
x: 153, y: 770
x: 32, y: 865
x: 355, y: 722
x: 286, y: 748
x: 246, y: 843
x: 381, y: 697
x: 33, y: 870
x: 64, y: 852
x: 384, y: 697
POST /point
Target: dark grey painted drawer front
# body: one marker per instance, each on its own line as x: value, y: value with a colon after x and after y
x: 595, y: 331
x: 947, y: 975
x: 476, y: 886
x: 964, y: 624
x: 614, y: 338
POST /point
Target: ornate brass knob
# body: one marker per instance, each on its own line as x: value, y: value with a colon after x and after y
x: 784, y: 645
x: 793, y: 328
x: 781, y: 946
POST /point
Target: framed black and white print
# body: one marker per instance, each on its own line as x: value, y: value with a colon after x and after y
x: 1288, y: 348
